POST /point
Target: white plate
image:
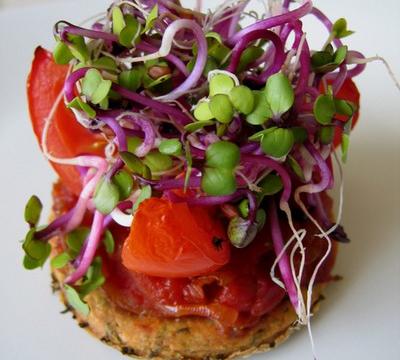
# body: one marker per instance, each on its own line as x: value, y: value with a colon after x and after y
x: 360, y: 318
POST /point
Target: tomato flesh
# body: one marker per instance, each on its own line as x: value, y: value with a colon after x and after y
x: 236, y: 295
x: 170, y: 240
x: 66, y: 137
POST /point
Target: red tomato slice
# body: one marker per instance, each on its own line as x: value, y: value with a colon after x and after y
x: 349, y: 92
x: 66, y: 137
x: 170, y: 240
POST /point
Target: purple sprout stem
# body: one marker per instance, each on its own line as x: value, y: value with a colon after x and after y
x: 92, y: 34
x: 88, y: 252
x: 255, y: 35
x: 271, y: 22
x: 274, y: 165
x: 323, y: 167
x: 201, y: 59
x: 155, y: 105
x: 54, y: 227
x: 283, y: 263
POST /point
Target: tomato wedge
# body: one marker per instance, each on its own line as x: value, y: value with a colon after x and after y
x: 170, y: 240
x: 349, y: 92
x: 66, y: 137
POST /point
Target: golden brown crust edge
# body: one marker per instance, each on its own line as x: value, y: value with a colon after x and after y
x: 191, y: 338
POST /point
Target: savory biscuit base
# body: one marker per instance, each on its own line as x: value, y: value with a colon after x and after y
x: 187, y: 338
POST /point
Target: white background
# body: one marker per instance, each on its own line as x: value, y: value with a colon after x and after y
x: 360, y: 318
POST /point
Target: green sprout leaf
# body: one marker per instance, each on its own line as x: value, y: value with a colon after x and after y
x: 202, y: 111
x: 270, y: 185
x: 300, y: 134
x: 198, y: 125
x: 106, y: 196
x: 214, y: 35
x: 280, y: 94
x: 221, y: 84
x: 124, y: 182
x: 345, y: 146
x: 130, y: 33
x: 30, y: 263
x: 221, y: 129
x: 340, y: 55
x: 221, y: 108
x: 78, y: 48
x: 60, y: 261
x: 278, y: 143
x: 94, y: 87
x: 295, y: 166
x: 145, y: 193
x: 75, y: 301
x: 108, y: 241
x: 170, y: 147
x: 118, y: 22
x: 189, y: 164
x: 339, y: 29
x: 243, y: 208
x: 93, y: 278
x: 33, y: 209
x: 132, y: 79
x: 216, y: 49
x: 249, y: 55
x: 326, y: 134
x: 327, y: 61
x: 261, y: 111
x: 133, y: 143
x: 157, y: 162
x: 324, y: 109
x: 217, y: 182
x: 132, y: 162
x: 242, y: 99
x: 261, y: 217
x: 222, y: 154
x: 78, y: 104
x: 344, y: 107
x: 241, y: 232
x: 75, y: 240
x: 151, y: 18
x: 105, y: 63
x: 36, y: 249
x: 62, y: 54
x: 260, y: 134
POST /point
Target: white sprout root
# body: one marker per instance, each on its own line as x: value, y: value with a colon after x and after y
x: 300, y: 310
x: 356, y: 60
x: 341, y: 199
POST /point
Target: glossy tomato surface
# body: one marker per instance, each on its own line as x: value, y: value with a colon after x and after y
x: 66, y: 137
x: 172, y: 240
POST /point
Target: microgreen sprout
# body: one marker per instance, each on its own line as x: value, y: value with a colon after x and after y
x: 240, y: 115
